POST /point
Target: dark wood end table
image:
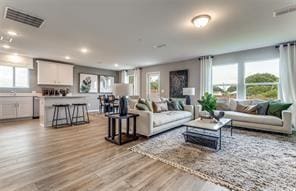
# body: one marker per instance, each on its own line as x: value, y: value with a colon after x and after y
x: 121, y: 137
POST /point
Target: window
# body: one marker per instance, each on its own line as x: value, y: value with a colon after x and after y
x: 153, y: 85
x: 13, y: 77
x: 6, y: 76
x: 262, y: 79
x: 21, y: 78
x: 131, y: 81
x: 225, y: 81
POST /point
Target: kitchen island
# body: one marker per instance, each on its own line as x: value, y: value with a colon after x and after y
x: 46, y: 107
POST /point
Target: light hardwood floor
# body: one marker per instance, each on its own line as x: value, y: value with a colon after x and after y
x: 78, y: 158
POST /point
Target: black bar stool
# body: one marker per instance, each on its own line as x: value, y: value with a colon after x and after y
x: 56, y: 116
x: 76, y: 118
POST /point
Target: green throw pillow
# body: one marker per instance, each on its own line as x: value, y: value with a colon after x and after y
x: 141, y: 106
x: 275, y: 108
x: 149, y: 105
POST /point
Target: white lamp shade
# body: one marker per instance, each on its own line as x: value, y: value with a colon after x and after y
x: 121, y: 89
x: 189, y: 91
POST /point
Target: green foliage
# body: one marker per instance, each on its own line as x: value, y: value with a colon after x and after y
x: 208, y: 102
x: 263, y: 77
x: 231, y: 89
x: 154, y: 85
x: 262, y: 91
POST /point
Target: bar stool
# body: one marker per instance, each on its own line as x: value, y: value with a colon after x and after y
x: 77, y: 117
x: 56, y: 116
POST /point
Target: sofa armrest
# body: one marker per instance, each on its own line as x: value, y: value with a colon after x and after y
x: 197, y: 111
x: 189, y: 108
x: 144, y: 122
x: 287, y: 120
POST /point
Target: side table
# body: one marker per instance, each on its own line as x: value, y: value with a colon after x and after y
x: 121, y: 137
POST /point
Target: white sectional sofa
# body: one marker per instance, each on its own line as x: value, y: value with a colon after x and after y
x: 259, y: 122
x: 149, y: 123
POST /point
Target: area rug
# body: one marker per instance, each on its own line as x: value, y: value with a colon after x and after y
x: 248, y: 160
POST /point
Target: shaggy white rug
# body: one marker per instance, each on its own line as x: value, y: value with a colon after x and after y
x: 249, y: 160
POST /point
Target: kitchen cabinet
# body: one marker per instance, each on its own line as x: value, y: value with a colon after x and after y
x: 52, y: 73
x: 16, y: 107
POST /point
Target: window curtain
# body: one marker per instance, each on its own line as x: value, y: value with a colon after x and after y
x: 288, y: 76
x: 137, y: 88
x: 123, y: 75
x: 206, y: 83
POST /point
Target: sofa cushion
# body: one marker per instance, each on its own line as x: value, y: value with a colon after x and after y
x: 262, y: 108
x: 250, y: 109
x: 275, y: 108
x: 169, y: 116
x: 261, y: 119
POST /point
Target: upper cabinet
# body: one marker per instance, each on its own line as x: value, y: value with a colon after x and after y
x: 51, y: 73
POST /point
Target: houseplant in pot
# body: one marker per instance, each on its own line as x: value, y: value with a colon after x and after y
x: 208, y: 103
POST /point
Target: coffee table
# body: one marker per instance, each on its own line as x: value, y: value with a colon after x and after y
x: 204, y: 138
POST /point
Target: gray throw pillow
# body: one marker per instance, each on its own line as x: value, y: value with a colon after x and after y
x: 171, y: 106
x: 262, y: 108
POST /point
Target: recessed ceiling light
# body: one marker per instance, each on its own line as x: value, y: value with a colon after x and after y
x: 84, y: 50
x: 116, y: 65
x: 6, y: 46
x: 201, y: 20
x: 12, y: 33
x: 67, y: 57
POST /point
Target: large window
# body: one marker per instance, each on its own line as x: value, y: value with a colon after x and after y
x: 225, y: 81
x: 13, y: 77
x: 153, y: 84
x: 262, y: 79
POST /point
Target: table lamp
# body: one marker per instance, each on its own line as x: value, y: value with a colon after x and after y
x: 188, y: 92
x: 122, y: 90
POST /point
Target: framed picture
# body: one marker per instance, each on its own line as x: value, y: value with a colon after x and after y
x: 106, y: 84
x: 178, y: 81
x: 88, y: 83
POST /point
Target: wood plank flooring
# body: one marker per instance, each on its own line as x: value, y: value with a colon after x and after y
x: 33, y: 158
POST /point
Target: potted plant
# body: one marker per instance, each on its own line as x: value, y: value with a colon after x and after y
x: 208, y: 103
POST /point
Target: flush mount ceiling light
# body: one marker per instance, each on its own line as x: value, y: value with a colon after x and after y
x: 84, y: 50
x: 116, y: 65
x: 6, y: 46
x: 67, y: 57
x: 12, y: 33
x: 201, y: 20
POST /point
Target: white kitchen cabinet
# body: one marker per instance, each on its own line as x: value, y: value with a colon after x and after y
x: 8, y: 110
x: 65, y: 74
x: 51, y: 73
x: 16, y: 107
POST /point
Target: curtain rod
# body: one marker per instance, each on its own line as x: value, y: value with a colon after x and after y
x: 205, y: 57
x: 292, y: 43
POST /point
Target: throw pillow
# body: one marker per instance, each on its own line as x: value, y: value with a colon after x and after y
x: 171, y: 106
x: 159, y: 106
x: 180, y: 102
x: 250, y: 109
x: 262, y: 108
x: 149, y: 105
x: 141, y: 106
x: 142, y: 100
x: 275, y: 108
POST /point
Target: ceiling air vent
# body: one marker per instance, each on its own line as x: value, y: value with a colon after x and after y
x: 23, y: 18
x: 284, y: 10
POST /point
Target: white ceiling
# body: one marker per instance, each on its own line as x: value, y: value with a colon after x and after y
x: 125, y: 31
